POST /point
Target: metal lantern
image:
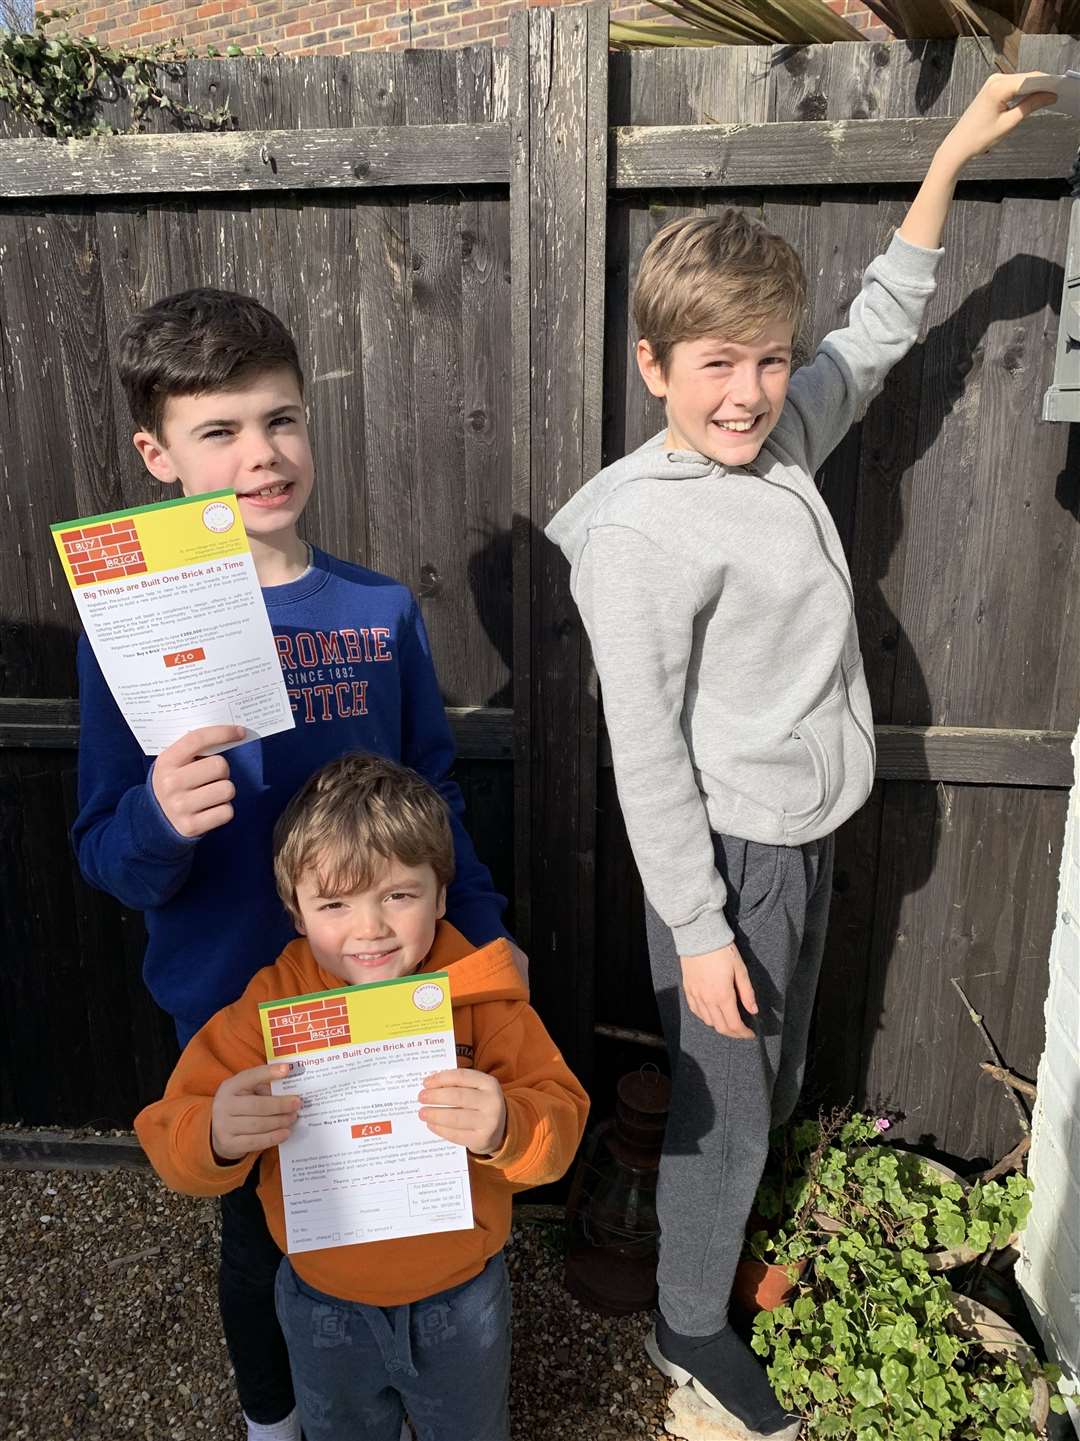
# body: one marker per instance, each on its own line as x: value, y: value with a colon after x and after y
x: 611, y: 1263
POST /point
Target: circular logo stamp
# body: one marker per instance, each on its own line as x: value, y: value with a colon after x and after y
x: 218, y: 517
x: 427, y: 997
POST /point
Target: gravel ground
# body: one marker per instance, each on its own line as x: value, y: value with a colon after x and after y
x: 109, y: 1326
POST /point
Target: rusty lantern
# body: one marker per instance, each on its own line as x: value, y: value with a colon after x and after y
x: 611, y: 1213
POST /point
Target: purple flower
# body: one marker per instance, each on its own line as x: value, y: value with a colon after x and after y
x: 881, y: 1124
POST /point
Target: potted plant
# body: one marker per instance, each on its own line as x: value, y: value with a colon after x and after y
x: 876, y: 1346
x: 825, y: 1177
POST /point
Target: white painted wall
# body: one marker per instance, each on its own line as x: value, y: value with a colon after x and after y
x: 1049, y: 1267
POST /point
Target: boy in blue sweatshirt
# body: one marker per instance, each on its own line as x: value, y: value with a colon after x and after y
x: 215, y: 388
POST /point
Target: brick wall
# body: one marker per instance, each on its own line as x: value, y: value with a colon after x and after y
x: 330, y: 27
x: 1049, y: 1269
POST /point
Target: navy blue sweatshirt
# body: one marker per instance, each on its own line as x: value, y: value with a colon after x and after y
x: 355, y: 658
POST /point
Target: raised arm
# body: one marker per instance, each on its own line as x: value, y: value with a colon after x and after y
x: 992, y: 115
x: 826, y: 396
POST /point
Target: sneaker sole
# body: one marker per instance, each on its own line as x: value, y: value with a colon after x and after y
x: 682, y: 1377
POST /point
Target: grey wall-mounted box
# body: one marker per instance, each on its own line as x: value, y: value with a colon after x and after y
x: 1062, y: 400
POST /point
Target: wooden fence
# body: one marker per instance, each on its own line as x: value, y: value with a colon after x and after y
x: 451, y: 236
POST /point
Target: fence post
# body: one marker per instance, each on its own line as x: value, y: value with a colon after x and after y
x: 558, y: 200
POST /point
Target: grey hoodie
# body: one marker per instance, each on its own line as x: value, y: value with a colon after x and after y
x: 719, y: 607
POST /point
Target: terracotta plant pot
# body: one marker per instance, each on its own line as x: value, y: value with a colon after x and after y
x: 762, y: 1287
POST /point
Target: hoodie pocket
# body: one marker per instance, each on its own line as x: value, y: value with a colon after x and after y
x: 842, y: 759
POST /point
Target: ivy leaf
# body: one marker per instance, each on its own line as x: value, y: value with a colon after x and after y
x: 830, y: 1425
x: 978, y: 1235
x: 894, y: 1376
x: 935, y: 1393
x: 865, y: 1388
x: 950, y: 1228
x: 905, y: 1332
x: 822, y: 1387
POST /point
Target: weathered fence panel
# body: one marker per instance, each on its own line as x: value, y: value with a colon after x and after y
x: 463, y: 319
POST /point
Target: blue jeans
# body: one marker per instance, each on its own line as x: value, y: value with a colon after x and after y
x: 358, y: 1369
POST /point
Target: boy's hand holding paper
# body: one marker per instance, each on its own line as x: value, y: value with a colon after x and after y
x: 1064, y: 88
x: 247, y: 1117
x: 191, y: 780
x: 471, y: 1109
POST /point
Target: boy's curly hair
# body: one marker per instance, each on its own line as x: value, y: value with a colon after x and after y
x: 722, y: 275
x: 352, y: 818
x: 195, y: 342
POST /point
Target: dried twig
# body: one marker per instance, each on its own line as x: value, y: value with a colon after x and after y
x: 1000, y: 1073
x: 1011, y: 1162
x: 132, y: 1257
x: 999, y: 1060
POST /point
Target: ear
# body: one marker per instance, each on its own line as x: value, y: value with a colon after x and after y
x: 155, y: 457
x: 651, y: 372
x: 440, y: 904
x: 301, y: 930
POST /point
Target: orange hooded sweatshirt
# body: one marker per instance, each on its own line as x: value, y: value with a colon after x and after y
x: 496, y: 1031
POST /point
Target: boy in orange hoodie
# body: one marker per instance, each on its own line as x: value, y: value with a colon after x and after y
x: 362, y: 857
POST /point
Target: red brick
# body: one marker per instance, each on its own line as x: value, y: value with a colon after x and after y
x: 299, y: 27
x: 496, y: 27
x: 429, y: 12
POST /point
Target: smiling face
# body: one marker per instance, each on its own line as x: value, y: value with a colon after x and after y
x: 722, y: 398
x: 253, y: 440
x: 374, y: 934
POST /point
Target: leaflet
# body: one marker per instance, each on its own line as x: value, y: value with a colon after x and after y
x: 171, y: 604
x: 360, y: 1165
x: 1065, y: 87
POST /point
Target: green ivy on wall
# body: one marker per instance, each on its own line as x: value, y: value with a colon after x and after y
x: 60, y: 82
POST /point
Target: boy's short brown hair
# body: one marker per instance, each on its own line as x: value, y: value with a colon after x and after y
x: 354, y: 813
x: 724, y: 275
x: 195, y: 342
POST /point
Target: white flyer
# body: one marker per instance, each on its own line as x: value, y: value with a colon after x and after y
x: 360, y: 1165
x: 171, y: 604
x: 1066, y: 87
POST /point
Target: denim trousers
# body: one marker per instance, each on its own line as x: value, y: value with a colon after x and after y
x: 358, y: 1370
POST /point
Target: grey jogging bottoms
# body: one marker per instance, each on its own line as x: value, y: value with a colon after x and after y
x: 727, y: 1093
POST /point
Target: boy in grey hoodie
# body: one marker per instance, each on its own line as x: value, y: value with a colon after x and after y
x: 716, y: 595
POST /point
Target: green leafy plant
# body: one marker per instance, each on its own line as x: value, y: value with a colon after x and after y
x: 59, y: 82
x: 873, y: 1348
x: 838, y: 1174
